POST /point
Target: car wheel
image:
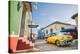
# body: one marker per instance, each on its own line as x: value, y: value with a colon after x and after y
x: 47, y: 41
x: 58, y: 43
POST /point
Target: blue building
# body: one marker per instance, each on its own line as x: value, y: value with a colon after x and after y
x: 40, y: 34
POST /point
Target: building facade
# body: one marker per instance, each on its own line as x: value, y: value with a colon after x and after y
x: 40, y: 34
x: 15, y: 16
x: 56, y: 27
x: 75, y: 17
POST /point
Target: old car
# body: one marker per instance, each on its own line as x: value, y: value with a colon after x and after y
x: 60, y: 40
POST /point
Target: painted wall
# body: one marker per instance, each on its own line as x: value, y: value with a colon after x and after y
x: 40, y: 34
x: 16, y: 8
x: 56, y: 28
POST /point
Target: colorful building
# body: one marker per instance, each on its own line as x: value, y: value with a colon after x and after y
x: 40, y: 34
x: 75, y: 17
x: 15, y: 15
x: 19, y: 19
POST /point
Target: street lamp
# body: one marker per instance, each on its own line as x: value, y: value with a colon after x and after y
x: 32, y: 26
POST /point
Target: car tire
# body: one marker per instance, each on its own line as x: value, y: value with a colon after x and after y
x: 58, y: 43
x: 47, y: 41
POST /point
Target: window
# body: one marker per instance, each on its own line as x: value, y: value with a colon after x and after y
x: 18, y: 6
x: 46, y: 31
x: 51, y: 30
x: 62, y: 28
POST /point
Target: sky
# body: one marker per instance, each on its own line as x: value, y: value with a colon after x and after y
x: 44, y: 14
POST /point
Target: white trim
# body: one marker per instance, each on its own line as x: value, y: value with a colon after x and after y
x: 20, y: 17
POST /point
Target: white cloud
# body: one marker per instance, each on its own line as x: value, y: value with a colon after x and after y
x: 38, y: 27
x: 53, y: 19
x: 35, y: 7
x: 64, y: 20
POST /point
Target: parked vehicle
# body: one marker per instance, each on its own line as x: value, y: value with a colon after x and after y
x: 60, y: 40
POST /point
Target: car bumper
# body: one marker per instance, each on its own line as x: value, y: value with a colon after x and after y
x: 66, y: 42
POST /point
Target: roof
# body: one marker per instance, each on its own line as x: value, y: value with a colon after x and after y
x: 74, y: 16
x: 56, y: 22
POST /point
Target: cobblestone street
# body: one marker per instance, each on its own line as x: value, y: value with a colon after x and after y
x: 43, y: 46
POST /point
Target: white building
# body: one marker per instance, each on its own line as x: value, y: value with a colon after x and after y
x: 55, y: 27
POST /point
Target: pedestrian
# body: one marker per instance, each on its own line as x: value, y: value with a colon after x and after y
x: 33, y: 38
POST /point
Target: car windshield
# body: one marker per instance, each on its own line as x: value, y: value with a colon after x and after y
x: 59, y: 34
x: 53, y: 34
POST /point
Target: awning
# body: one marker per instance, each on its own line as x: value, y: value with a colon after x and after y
x: 69, y: 30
